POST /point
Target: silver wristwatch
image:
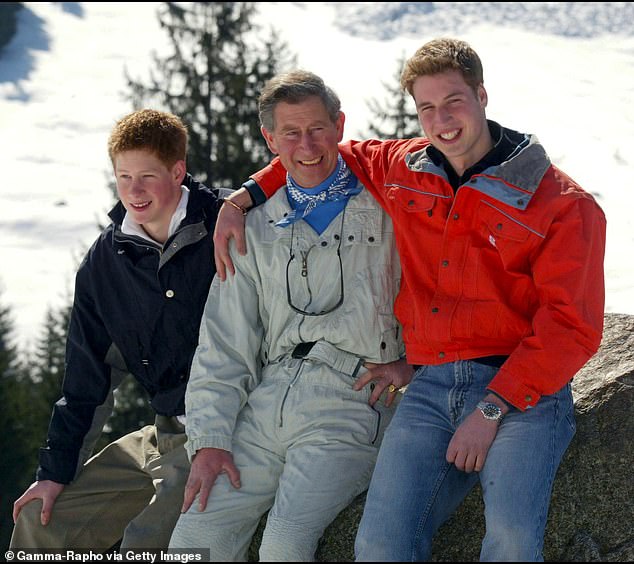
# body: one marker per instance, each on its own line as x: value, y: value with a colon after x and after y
x: 490, y: 410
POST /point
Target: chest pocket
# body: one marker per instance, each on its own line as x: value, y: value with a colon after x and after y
x: 407, y: 200
x: 502, y: 226
x: 364, y: 227
x: 509, y: 236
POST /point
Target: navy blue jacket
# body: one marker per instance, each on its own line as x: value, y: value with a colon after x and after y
x: 145, y: 300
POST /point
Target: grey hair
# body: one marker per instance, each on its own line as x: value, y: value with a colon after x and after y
x: 294, y: 87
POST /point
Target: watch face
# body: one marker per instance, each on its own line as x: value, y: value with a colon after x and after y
x: 490, y: 410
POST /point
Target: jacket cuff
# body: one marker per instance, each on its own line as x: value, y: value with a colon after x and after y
x: 515, y: 392
x: 210, y: 441
x: 257, y: 194
x: 57, y: 466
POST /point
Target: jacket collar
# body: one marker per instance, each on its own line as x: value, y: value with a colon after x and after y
x: 510, y: 172
x: 200, y: 197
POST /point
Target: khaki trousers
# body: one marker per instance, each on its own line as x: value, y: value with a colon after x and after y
x: 131, y: 490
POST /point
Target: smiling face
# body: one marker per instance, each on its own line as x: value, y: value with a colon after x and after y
x: 148, y: 189
x: 453, y: 117
x: 305, y: 138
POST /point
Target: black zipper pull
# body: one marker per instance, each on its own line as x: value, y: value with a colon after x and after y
x: 304, y: 264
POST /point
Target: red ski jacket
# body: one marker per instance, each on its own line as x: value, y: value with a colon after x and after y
x: 511, y: 263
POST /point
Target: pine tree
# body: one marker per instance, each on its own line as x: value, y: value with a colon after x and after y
x: 46, y: 374
x: 17, y: 459
x: 396, y: 118
x: 212, y: 81
x: 50, y: 353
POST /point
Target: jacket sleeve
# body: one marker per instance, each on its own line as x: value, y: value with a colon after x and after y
x: 192, y: 184
x: 102, y: 413
x: 226, y: 365
x: 370, y: 161
x: 568, y: 324
x: 85, y: 388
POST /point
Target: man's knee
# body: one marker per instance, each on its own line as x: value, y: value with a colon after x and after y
x: 30, y: 513
x: 284, y: 541
x: 27, y: 524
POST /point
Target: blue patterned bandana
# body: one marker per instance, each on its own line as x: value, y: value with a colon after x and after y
x: 339, y: 186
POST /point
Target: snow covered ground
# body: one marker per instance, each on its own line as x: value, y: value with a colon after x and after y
x: 560, y: 70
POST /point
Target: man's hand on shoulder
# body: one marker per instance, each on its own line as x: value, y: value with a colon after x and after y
x: 47, y: 491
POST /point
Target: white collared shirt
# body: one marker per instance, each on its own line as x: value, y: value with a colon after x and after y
x: 130, y: 227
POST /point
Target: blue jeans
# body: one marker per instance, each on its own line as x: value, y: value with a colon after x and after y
x: 414, y: 490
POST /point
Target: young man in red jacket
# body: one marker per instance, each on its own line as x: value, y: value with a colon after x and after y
x: 501, y: 303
